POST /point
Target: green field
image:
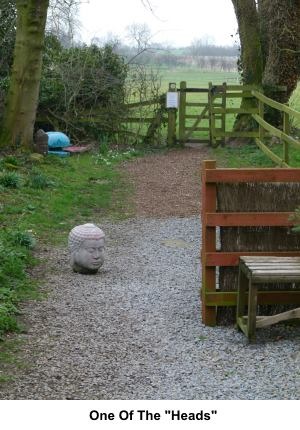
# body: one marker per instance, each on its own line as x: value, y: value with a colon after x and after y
x: 196, y: 78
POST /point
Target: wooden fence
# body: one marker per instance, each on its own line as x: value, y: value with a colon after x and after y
x: 216, y: 110
x: 220, y: 110
x: 211, y: 258
x: 283, y: 135
x: 146, y: 122
x: 264, y: 128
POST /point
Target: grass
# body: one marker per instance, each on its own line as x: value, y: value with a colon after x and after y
x: 40, y: 202
x: 61, y: 192
x: 249, y: 155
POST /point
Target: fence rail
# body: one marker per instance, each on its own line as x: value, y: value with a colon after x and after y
x: 147, y: 122
x: 283, y: 135
x: 211, y: 219
x: 257, y: 113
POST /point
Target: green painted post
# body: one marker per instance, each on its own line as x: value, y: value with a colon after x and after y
x: 182, y: 111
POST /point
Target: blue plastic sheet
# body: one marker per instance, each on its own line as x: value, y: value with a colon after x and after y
x: 56, y: 139
x: 59, y: 153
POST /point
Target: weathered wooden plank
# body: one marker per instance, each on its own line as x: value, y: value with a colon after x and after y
x: 252, y: 305
x: 253, y: 175
x: 232, y: 258
x: 271, y: 258
x: 209, y: 194
x: 265, y: 321
x: 228, y: 219
x: 229, y: 298
x: 194, y: 90
x: 276, y: 105
x: 244, y: 94
x: 279, y: 262
x: 260, y: 279
x: 270, y: 154
x: 266, y: 268
x: 275, y: 132
x: 293, y: 271
x: 241, y: 87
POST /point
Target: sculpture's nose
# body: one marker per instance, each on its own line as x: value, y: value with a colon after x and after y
x: 98, y: 254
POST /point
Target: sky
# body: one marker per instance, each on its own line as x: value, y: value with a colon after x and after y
x: 172, y: 22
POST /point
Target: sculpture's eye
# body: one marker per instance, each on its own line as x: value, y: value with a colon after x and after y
x: 91, y: 250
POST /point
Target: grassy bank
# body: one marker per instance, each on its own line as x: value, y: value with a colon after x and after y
x: 249, y: 155
x: 41, y: 200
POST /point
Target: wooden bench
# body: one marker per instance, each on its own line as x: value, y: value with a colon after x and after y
x: 261, y: 270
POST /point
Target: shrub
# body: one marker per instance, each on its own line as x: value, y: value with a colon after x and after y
x: 39, y: 180
x: 10, y: 180
x: 24, y: 238
x: 82, y: 81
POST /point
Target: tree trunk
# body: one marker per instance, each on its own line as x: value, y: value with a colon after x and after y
x: 251, y: 53
x: 22, y: 99
x: 281, y: 21
x: 270, y: 50
x: 251, y: 59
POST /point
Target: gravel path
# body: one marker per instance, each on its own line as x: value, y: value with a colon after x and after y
x: 133, y: 331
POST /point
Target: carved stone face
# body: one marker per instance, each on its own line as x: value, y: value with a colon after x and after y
x: 89, y: 257
x: 86, y: 244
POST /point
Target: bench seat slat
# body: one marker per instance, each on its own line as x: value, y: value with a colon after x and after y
x: 257, y: 270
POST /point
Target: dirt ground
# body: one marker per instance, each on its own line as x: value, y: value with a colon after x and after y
x: 169, y: 184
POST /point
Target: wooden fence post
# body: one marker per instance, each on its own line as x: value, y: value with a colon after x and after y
x: 223, y: 115
x: 172, y: 113
x: 212, y: 126
x: 209, y: 195
x: 182, y: 111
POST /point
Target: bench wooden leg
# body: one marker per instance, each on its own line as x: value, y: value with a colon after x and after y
x: 241, y: 302
x: 241, y: 297
x: 252, y: 306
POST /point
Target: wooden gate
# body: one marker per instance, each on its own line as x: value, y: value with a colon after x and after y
x: 195, y: 107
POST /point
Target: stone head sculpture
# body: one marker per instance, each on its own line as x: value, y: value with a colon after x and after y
x: 86, y: 244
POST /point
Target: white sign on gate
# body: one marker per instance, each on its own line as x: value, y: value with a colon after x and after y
x: 172, y: 99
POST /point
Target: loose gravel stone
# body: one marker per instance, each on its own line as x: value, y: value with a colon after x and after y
x: 133, y: 330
